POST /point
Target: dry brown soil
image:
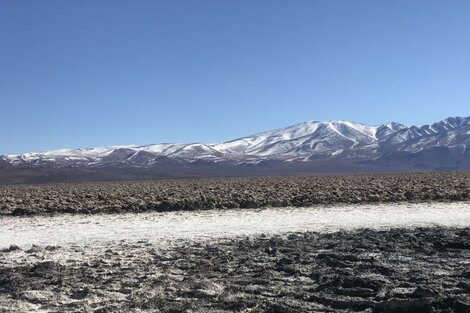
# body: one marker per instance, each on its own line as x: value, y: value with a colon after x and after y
x: 227, y: 193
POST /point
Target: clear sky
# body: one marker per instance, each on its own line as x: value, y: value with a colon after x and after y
x: 90, y: 73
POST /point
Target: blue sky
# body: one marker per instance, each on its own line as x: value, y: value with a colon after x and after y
x: 89, y: 73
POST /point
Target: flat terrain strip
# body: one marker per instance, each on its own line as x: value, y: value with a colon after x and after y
x: 170, y: 227
x: 232, y: 193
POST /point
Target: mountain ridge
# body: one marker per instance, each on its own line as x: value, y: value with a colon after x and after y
x: 308, y: 145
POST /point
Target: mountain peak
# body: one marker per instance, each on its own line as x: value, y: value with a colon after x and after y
x: 334, y: 139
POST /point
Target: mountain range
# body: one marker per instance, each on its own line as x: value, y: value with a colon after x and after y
x: 306, y: 148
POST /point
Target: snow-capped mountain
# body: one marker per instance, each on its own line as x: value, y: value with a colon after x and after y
x: 445, y: 144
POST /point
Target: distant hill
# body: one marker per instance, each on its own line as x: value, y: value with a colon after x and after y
x: 306, y: 148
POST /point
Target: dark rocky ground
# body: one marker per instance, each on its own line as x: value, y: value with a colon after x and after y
x: 397, y: 270
x: 227, y: 193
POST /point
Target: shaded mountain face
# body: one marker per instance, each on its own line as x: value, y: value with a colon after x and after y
x: 4, y: 164
x: 303, y: 148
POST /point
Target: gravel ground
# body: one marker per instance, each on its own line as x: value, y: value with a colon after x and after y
x: 397, y: 270
x: 228, y: 193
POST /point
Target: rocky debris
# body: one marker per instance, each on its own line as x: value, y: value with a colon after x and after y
x: 227, y: 193
x: 11, y: 248
x: 398, y: 270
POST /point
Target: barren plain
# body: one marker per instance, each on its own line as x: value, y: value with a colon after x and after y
x: 396, y: 270
x: 357, y: 243
x: 227, y: 193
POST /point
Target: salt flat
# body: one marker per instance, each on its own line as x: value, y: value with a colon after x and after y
x: 165, y: 228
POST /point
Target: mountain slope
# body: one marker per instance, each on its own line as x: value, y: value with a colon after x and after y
x: 303, y: 148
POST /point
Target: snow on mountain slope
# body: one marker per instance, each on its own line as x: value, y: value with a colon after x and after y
x: 63, y: 155
x: 453, y: 133
x: 302, y: 138
x: 302, y: 142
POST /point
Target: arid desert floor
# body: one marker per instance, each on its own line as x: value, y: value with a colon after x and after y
x: 400, y: 244
x: 230, y: 193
